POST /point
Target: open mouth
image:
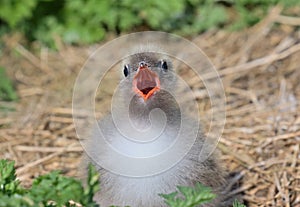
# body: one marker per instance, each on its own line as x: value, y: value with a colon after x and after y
x: 145, y: 82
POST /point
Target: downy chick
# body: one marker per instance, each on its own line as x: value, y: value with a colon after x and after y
x: 148, y: 84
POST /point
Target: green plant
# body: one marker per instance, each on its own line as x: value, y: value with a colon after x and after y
x: 8, y: 181
x: 14, y: 11
x: 55, y: 190
x: 238, y: 204
x: 89, y: 21
x: 49, y: 190
x: 250, y: 12
x: 7, y: 91
x: 191, y: 196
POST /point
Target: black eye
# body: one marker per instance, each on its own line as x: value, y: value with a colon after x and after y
x: 126, y: 70
x: 164, y: 65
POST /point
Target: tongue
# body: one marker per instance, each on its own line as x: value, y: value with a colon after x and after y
x: 145, y: 82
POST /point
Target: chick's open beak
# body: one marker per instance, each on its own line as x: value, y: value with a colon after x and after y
x: 145, y: 82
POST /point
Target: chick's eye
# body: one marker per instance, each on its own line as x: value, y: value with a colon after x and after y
x: 126, y: 70
x: 164, y: 65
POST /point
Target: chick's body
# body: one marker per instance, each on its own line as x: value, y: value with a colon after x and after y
x: 134, y: 109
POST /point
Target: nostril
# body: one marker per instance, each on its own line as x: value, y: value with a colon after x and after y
x: 143, y: 64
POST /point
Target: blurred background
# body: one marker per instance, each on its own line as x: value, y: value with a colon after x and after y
x: 90, y: 21
x: 254, y: 44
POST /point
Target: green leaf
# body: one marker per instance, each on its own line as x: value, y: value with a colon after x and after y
x: 93, y: 185
x: 7, y: 91
x: 9, y: 184
x: 15, y: 11
x: 50, y: 190
x: 57, y: 188
x: 15, y: 201
x: 189, y: 196
x: 238, y: 204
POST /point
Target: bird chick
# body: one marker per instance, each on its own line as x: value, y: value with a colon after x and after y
x: 148, y: 83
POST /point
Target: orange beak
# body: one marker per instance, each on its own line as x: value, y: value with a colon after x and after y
x: 145, y: 82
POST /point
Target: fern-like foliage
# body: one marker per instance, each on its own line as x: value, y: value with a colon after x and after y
x: 55, y: 190
x: 50, y: 190
x: 189, y: 197
x: 238, y: 204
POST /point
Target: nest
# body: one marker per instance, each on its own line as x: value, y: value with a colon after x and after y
x: 260, y: 70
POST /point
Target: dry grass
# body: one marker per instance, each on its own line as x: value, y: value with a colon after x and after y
x: 260, y: 69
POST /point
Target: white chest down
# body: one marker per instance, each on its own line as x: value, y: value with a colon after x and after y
x: 117, y: 189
